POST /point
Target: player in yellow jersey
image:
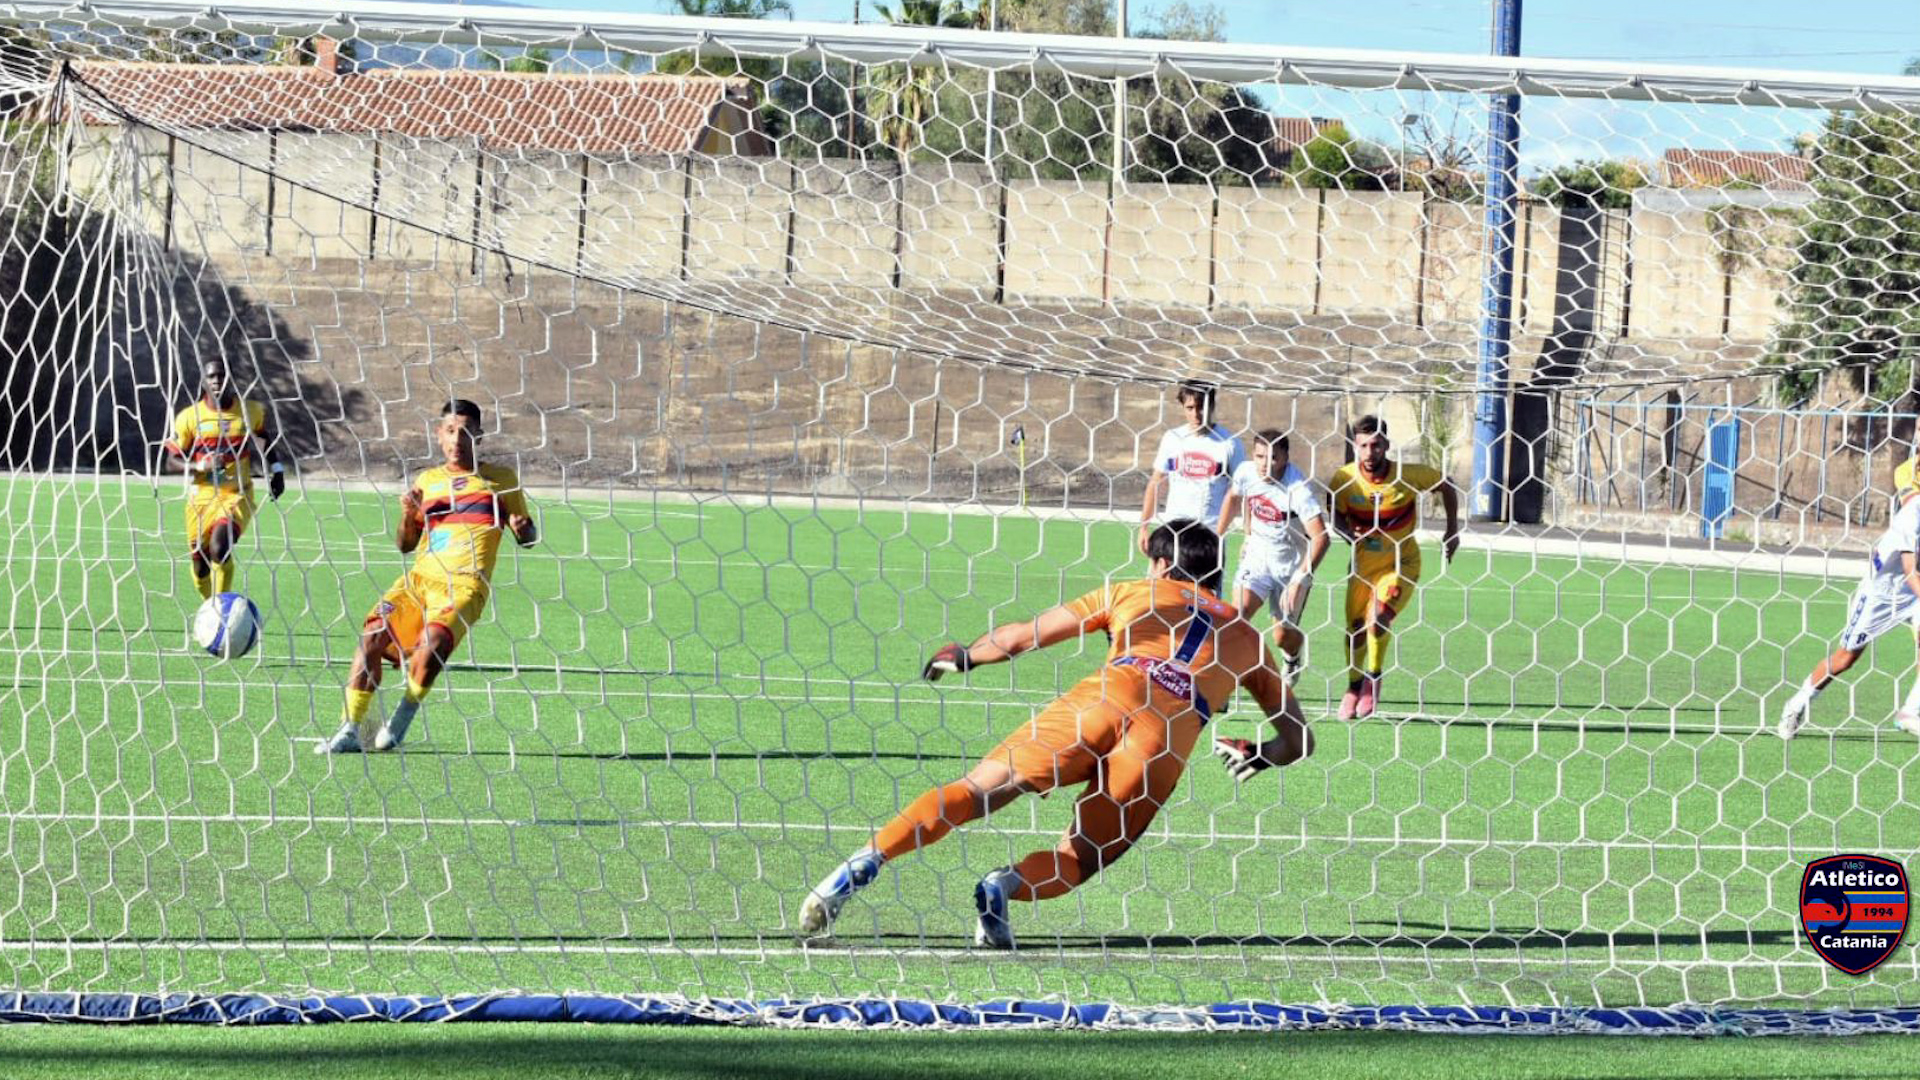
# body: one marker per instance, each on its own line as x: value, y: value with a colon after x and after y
x: 215, y: 439
x: 1376, y: 506
x: 1125, y: 731
x: 459, y: 508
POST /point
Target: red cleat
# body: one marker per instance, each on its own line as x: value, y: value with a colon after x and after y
x: 1369, y: 698
x: 1349, y: 705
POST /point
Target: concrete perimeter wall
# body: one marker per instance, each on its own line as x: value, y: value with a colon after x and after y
x: 1398, y: 257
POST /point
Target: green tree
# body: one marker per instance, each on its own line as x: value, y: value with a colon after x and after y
x: 901, y: 97
x: 534, y: 61
x: 1605, y: 184
x: 1335, y: 159
x: 1853, y: 293
x: 730, y: 9
x: 190, y: 45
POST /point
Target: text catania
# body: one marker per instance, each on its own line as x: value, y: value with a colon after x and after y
x: 1855, y: 878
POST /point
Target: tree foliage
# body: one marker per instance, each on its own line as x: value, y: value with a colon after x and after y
x: 1853, y: 293
x: 1335, y: 159
x: 1605, y: 184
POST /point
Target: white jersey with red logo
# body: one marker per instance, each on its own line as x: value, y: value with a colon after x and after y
x: 1199, y: 466
x: 1277, y: 511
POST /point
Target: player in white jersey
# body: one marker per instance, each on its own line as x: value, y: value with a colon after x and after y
x: 1195, y: 465
x: 1888, y: 596
x: 1286, y: 539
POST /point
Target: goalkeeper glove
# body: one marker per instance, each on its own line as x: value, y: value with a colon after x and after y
x: 277, y: 481
x: 1242, y: 757
x: 951, y: 659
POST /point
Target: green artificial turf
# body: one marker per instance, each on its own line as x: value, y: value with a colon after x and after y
x: 677, y: 717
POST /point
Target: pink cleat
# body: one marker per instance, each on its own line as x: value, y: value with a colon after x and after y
x: 1350, y: 704
x: 1369, y: 697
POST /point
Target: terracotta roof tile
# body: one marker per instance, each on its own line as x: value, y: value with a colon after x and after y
x: 1768, y: 169
x: 575, y: 113
x: 1293, y: 132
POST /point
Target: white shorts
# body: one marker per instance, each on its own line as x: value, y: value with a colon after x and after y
x: 1266, y: 577
x: 1878, y: 605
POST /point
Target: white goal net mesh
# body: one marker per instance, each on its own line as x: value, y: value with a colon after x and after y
x: 814, y: 354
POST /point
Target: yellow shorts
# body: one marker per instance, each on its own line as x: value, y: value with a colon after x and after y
x: 417, y: 601
x: 1381, y: 577
x: 208, y: 506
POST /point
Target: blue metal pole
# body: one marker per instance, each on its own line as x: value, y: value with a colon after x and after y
x: 1489, y: 492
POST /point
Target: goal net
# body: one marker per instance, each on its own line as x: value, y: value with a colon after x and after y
x: 815, y: 348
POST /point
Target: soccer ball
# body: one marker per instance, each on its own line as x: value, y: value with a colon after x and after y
x: 227, y: 626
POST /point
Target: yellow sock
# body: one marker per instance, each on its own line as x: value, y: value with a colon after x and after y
x: 1377, y: 652
x: 1356, y: 651
x: 359, y: 703
x: 415, y: 692
x: 223, y: 576
x: 203, y: 584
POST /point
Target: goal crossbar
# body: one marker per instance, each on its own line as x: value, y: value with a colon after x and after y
x: 1359, y: 69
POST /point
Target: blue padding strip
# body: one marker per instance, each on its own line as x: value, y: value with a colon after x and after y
x: 256, y: 1009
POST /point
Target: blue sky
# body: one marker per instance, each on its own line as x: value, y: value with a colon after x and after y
x: 1866, y: 36
x: 1874, y: 36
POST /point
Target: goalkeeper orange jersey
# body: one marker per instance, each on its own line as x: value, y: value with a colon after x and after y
x: 465, y: 514
x: 1189, y: 642
x: 221, y: 439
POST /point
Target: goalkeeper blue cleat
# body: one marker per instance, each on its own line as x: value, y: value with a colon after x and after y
x: 822, y: 905
x: 990, y: 897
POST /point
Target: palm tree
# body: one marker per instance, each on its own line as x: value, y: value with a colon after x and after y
x: 732, y: 9
x: 903, y: 95
x: 903, y: 98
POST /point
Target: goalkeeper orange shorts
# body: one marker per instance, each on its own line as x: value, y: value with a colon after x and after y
x: 1116, y: 732
x: 208, y: 506
x: 417, y: 601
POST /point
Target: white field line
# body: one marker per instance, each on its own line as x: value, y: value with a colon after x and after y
x: 1534, y: 585
x: 1609, y: 549
x: 864, y: 829
x: 945, y: 699
x: 1036, y: 950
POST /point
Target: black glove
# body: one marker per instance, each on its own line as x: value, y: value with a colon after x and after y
x: 276, y: 485
x: 1243, y: 758
x: 951, y: 659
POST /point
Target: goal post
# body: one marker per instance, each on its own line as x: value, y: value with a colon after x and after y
x: 813, y: 349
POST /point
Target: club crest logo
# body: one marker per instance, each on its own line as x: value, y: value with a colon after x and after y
x: 459, y: 483
x: 1266, y: 510
x: 1197, y: 466
x: 1854, y: 910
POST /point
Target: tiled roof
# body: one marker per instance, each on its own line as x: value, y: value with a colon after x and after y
x: 1293, y: 132
x: 1768, y: 169
x: 575, y: 113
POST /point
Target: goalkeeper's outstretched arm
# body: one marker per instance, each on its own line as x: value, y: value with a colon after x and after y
x: 1003, y: 643
x: 1291, y: 740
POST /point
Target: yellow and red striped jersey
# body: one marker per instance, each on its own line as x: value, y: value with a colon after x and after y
x: 1386, y: 509
x: 465, y: 513
x: 221, y: 439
